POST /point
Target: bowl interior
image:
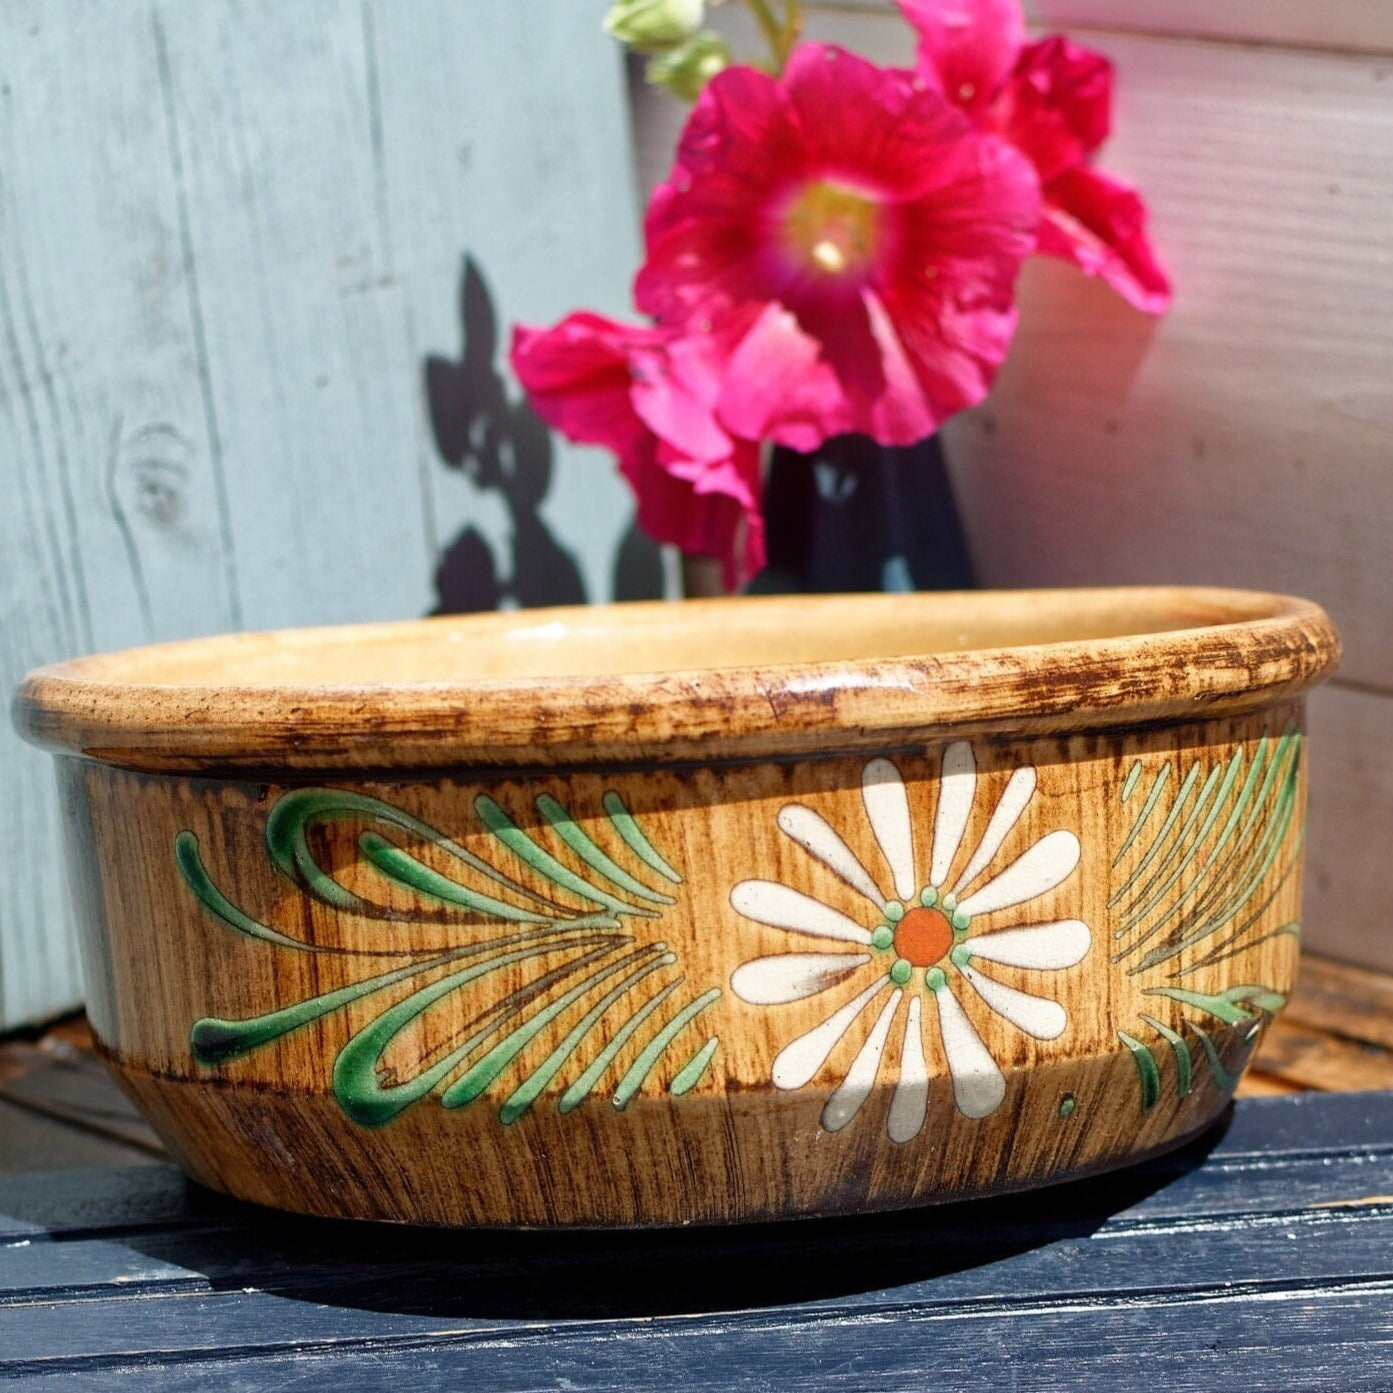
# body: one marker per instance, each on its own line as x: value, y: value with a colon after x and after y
x: 660, y: 638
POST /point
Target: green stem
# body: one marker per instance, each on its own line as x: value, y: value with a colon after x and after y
x: 779, y: 34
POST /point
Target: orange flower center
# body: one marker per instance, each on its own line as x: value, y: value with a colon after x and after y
x: 923, y: 936
x: 832, y: 229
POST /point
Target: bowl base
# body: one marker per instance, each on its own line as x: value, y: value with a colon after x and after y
x: 741, y: 1159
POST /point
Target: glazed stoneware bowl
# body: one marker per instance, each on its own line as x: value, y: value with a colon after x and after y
x: 722, y: 910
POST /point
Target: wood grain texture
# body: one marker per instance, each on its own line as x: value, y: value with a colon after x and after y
x: 1351, y: 821
x: 1351, y: 1003
x: 1363, y: 26
x: 1308, y: 1058
x: 230, y: 237
x: 1270, y: 1235
x: 879, y: 969
x: 1338, y: 1014
x: 106, y: 455
x: 60, y: 1103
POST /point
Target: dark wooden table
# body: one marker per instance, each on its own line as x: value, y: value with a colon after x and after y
x: 1261, y: 1258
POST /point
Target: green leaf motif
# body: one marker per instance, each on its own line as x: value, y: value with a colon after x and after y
x: 1198, y: 871
x: 1184, y: 1060
x: 1231, y: 1006
x: 1196, y: 888
x: 1148, y: 1072
x: 572, y: 941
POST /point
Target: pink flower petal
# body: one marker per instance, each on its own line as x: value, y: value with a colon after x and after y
x: 704, y: 516
x: 967, y: 47
x: 1056, y: 108
x: 956, y: 324
x: 1052, y: 100
x: 778, y: 387
x: 1099, y: 223
x: 703, y: 243
x: 873, y: 127
x: 577, y: 378
x: 649, y: 396
x: 922, y: 214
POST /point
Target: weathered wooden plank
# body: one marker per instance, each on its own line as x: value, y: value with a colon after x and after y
x: 75, y: 1202
x: 29, y: 1140
x: 1029, y: 1293
x: 102, y: 397
x: 1337, y: 1334
x: 1329, y: 1340
x: 529, y: 174
x: 1350, y: 820
x: 230, y: 236
x: 1286, y: 1215
x: 1358, y: 25
x: 309, y: 379
x: 1256, y: 1136
x: 1313, y: 1124
x: 39, y: 1271
x: 71, y: 1085
x: 1257, y: 1083
x: 110, y: 484
x: 1350, y: 1002
x: 1314, y: 1059
x: 918, y: 1255
x: 161, y: 1313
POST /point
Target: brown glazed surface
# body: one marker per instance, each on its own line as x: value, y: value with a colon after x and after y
x: 564, y: 917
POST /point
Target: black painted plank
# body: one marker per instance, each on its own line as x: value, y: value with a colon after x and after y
x: 73, y: 1271
x: 1287, y: 1214
x: 65, y: 1203
x: 1322, y: 1339
x: 1133, y: 1270
x: 1308, y: 1124
x: 239, y: 1245
x: 253, y: 1247
x: 649, y: 1273
x: 30, y: 1139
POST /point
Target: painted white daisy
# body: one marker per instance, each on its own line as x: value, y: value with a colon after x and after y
x: 921, y: 942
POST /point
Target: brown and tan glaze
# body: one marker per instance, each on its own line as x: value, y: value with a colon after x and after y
x: 503, y: 838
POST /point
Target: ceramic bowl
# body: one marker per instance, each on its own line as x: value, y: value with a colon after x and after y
x: 696, y: 912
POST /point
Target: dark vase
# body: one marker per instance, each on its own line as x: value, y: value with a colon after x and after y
x: 855, y: 516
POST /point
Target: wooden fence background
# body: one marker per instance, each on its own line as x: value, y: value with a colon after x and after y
x: 236, y: 388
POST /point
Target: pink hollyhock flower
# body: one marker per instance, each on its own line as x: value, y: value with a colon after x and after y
x: 1052, y: 100
x: 848, y: 242
x: 647, y: 394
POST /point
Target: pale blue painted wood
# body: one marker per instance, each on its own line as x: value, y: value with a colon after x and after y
x: 110, y: 531
x: 563, y: 130
x: 231, y: 233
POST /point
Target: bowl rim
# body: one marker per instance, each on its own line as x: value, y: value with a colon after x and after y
x: 1250, y: 649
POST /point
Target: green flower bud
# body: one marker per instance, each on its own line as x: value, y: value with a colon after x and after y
x: 648, y: 25
x: 686, y: 70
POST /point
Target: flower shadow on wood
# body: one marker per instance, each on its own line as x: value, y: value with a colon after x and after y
x: 502, y: 446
